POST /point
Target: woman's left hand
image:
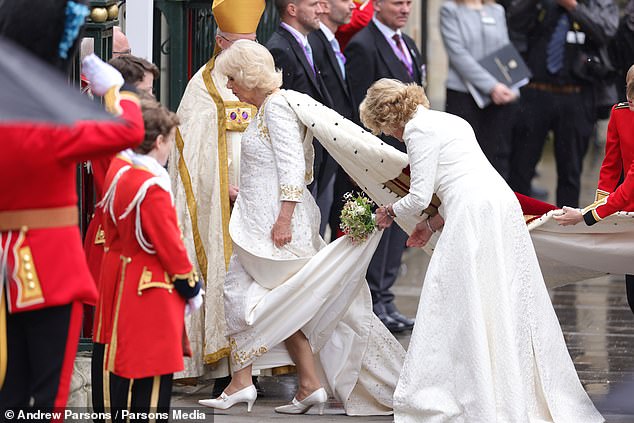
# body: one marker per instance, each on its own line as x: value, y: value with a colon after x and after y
x: 383, y: 220
x: 570, y: 216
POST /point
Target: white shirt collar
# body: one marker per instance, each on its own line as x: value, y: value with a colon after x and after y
x: 386, y: 30
x: 298, y: 35
x: 327, y: 32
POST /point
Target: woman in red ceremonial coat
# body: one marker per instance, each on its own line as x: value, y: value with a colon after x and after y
x: 156, y: 277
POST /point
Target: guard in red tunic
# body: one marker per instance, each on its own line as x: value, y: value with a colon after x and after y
x: 45, y: 133
x: 107, y: 281
x: 100, y: 242
x: 615, y: 190
x: 156, y: 276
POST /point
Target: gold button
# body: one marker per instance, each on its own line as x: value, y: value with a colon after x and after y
x: 29, y: 276
x: 28, y: 266
x: 31, y: 285
x: 26, y: 257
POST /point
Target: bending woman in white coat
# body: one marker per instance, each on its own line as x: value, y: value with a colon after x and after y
x: 284, y: 287
x: 487, y: 345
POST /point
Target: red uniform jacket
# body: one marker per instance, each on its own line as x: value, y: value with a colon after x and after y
x: 620, y: 200
x: 109, y: 269
x: 619, y: 149
x: 148, y: 320
x: 619, y: 159
x: 94, y: 240
x: 46, y: 267
x: 361, y: 17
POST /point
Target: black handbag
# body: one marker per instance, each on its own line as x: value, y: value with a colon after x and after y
x: 592, y: 65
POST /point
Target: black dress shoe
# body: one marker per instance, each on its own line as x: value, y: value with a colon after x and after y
x: 392, y: 325
x: 396, y: 315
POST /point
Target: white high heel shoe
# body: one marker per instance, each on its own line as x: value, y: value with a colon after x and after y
x: 224, y: 401
x: 318, y: 398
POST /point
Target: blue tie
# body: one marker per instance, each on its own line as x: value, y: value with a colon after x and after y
x: 309, y: 55
x: 341, y: 59
x: 557, y: 45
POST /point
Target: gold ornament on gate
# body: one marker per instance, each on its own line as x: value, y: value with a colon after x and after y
x: 99, y: 14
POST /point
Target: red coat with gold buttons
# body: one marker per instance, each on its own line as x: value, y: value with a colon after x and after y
x: 46, y: 266
x: 148, y: 321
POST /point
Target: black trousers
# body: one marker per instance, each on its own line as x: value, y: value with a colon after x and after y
x: 97, y: 376
x: 629, y: 288
x: 150, y: 395
x: 571, y: 117
x: 41, y: 350
x: 493, y: 127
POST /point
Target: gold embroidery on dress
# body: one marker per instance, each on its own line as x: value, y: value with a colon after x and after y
x: 241, y: 357
x: 145, y: 282
x: 290, y: 192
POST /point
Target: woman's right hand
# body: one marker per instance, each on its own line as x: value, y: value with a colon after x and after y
x: 501, y: 94
x: 281, y: 233
x: 420, y: 236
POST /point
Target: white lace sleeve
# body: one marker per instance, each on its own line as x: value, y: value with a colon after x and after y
x: 286, y: 136
x: 423, y: 150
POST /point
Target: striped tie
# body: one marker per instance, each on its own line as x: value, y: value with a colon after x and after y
x: 557, y: 45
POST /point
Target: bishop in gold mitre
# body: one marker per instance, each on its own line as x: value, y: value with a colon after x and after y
x: 204, y: 169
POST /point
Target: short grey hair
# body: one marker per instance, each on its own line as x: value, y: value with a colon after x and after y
x: 250, y: 65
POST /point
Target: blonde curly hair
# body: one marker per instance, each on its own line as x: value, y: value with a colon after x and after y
x: 250, y: 65
x: 389, y: 104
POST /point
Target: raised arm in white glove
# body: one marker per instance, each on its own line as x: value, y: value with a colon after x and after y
x: 102, y: 76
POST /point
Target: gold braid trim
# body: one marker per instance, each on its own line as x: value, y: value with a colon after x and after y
x: 201, y: 255
x: 217, y: 356
x: 223, y: 166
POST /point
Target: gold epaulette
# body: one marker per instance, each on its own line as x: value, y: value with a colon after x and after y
x: 623, y: 105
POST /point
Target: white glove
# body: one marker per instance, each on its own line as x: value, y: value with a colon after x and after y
x: 194, y: 303
x: 101, y: 75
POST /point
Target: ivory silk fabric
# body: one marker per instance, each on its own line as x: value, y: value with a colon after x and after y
x: 271, y: 292
x: 487, y: 345
x: 201, y: 166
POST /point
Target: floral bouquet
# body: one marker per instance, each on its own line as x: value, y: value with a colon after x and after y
x: 357, y: 219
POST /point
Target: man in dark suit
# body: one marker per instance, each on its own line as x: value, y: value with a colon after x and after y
x: 331, y: 62
x: 293, y: 54
x: 381, y: 50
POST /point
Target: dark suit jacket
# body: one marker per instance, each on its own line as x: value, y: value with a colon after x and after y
x: 336, y: 85
x: 297, y: 73
x: 370, y: 58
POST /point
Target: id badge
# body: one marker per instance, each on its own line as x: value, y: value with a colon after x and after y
x: 488, y: 20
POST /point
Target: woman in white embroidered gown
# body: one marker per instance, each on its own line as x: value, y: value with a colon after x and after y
x: 487, y: 346
x: 283, y: 285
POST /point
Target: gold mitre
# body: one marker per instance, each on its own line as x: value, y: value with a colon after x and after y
x: 238, y: 16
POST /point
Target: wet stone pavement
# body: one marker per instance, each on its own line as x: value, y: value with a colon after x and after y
x: 597, y: 323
